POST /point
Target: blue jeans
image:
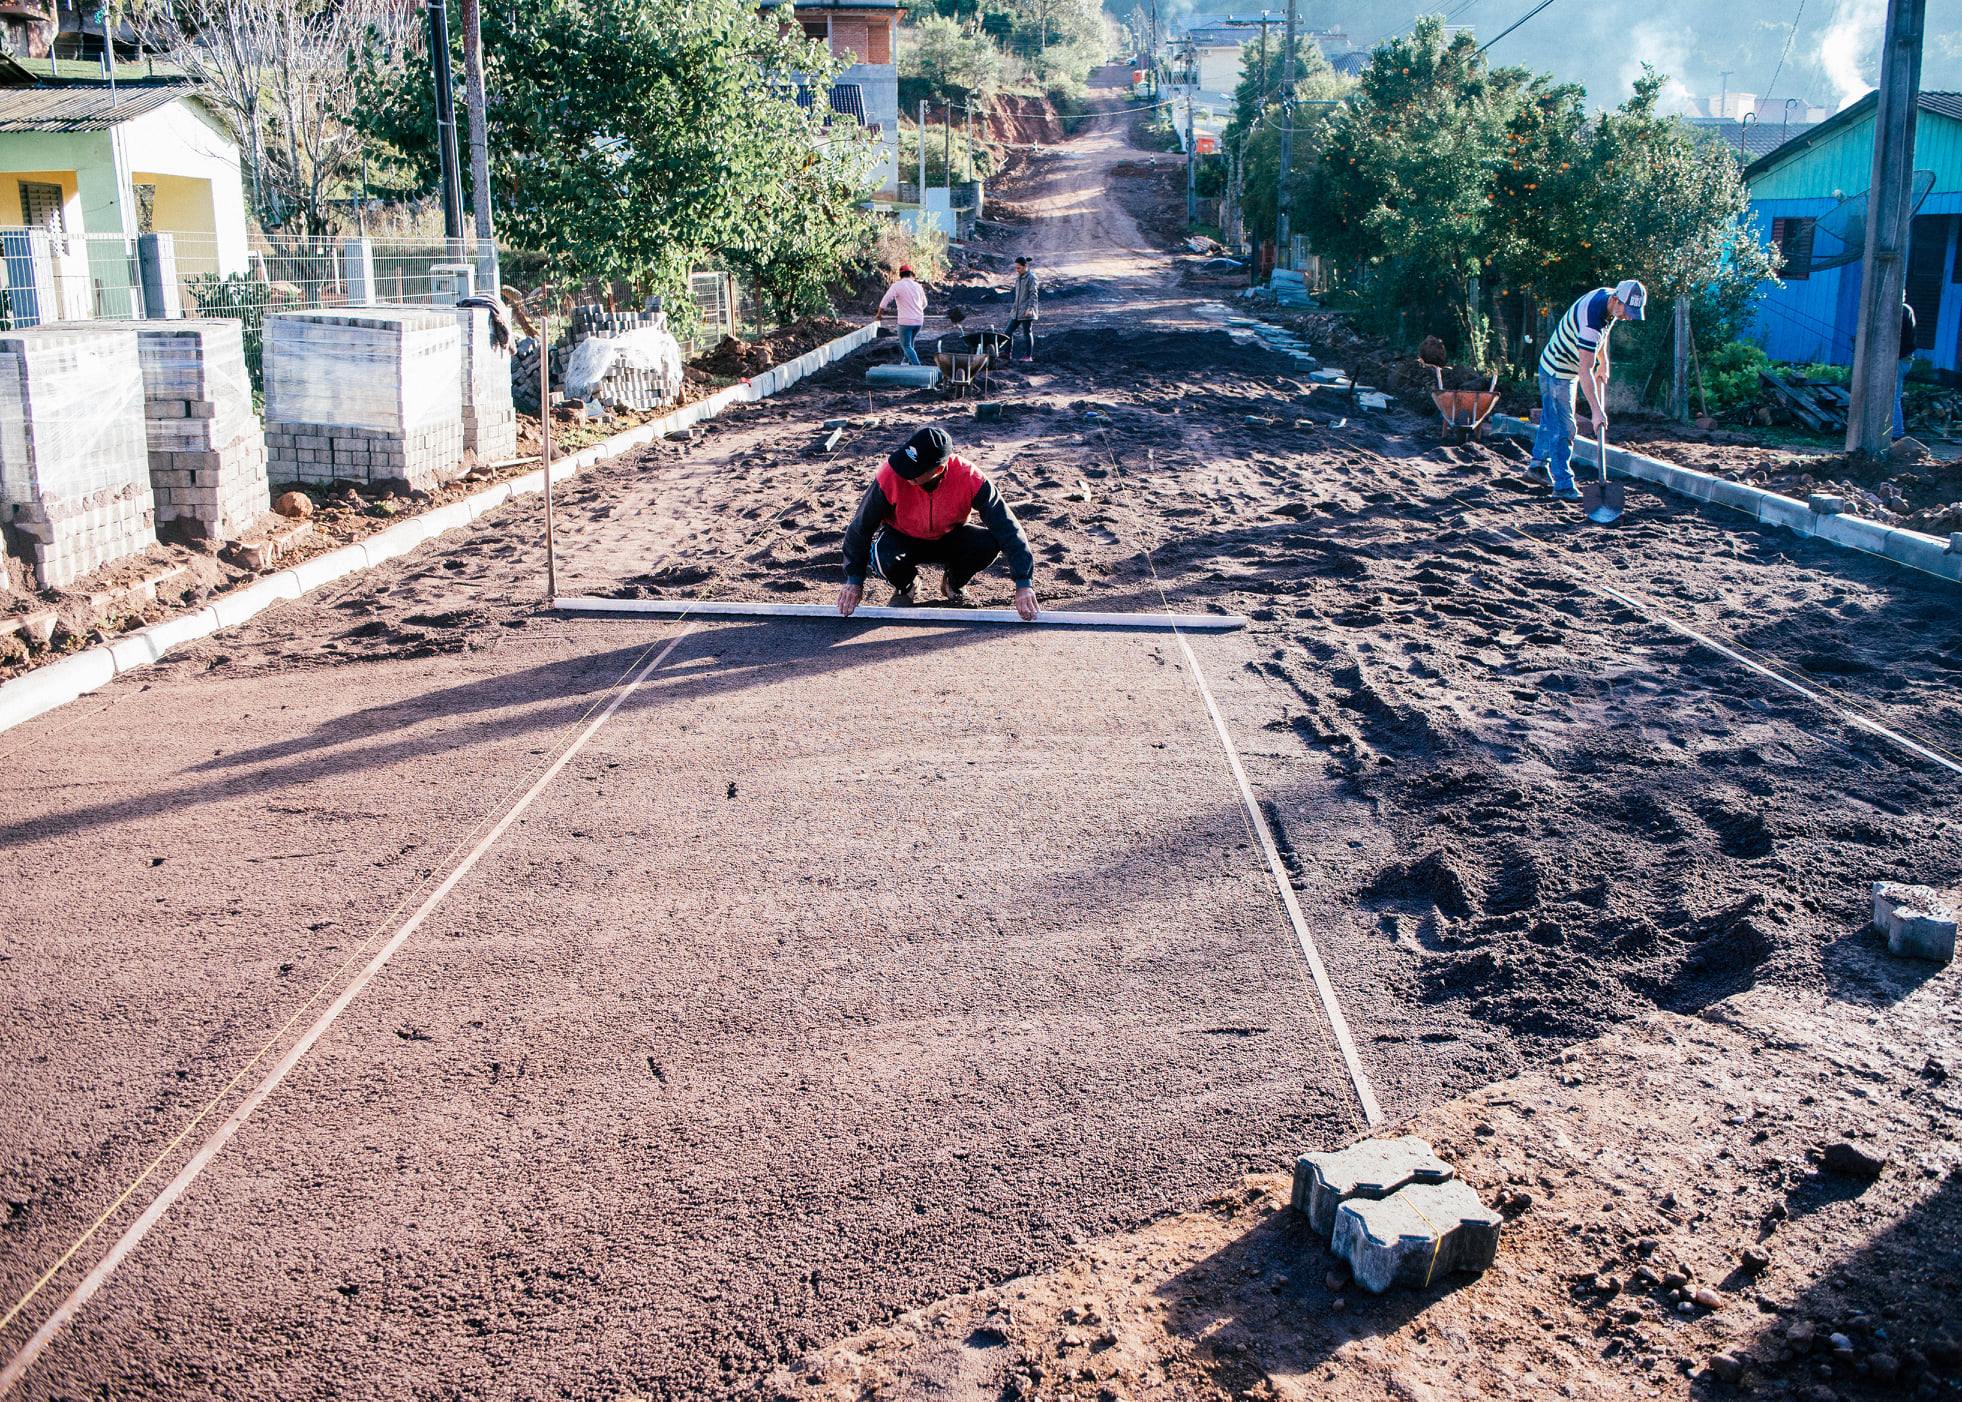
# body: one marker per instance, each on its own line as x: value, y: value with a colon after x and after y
x: 1554, y: 443
x: 1900, y: 388
x: 907, y: 334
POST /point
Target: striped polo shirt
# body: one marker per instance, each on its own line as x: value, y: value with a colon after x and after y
x: 1584, y: 327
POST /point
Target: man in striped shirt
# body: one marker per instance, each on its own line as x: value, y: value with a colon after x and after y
x: 1578, y: 350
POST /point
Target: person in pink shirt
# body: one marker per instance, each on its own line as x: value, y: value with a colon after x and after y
x: 908, y: 301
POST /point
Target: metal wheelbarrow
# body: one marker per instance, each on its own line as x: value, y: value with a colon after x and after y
x: 1465, y: 410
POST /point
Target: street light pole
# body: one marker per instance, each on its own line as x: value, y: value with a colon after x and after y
x: 439, y: 62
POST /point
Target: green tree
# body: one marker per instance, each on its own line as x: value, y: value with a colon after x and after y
x: 1255, y: 127
x: 1404, y: 174
x: 947, y: 63
x: 633, y: 139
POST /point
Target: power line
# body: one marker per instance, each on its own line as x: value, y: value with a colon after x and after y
x: 1514, y: 25
x: 1773, y: 84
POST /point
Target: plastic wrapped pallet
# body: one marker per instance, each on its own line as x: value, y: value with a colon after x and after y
x: 369, y: 395
x: 74, y: 468
x: 207, y: 450
x: 490, y: 421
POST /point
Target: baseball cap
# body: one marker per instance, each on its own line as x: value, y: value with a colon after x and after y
x: 924, y: 452
x: 1632, y: 295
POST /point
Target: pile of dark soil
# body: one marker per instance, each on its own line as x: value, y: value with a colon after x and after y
x: 733, y: 358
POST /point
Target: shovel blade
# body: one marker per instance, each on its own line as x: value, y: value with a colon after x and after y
x: 1603, y: 501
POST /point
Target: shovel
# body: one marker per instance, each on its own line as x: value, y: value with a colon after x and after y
x: 1601, y: 499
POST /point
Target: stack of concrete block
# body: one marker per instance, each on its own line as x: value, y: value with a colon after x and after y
x: 490, y: 420
x: 74, y: 468
x: 369, y: 395
x: 207, y: 451
x: 1396, y: 1212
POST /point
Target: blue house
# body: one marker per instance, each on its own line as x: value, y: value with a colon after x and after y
x: 1812, y: 189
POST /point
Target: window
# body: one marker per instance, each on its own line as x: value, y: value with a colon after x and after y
x: 1793, y: 240
x: 816, y: 28
x: 40, y: 208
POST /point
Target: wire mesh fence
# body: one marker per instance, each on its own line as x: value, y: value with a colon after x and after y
x: 50, y: 276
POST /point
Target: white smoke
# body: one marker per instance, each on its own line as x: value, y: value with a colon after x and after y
x: 1667, y: 50
x: 1849, y: 49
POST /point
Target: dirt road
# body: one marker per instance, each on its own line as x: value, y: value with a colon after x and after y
x: 845, y: 969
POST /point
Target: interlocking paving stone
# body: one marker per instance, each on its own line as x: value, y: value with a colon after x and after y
x: 1375, y: 1168
x: 1418, y: 1234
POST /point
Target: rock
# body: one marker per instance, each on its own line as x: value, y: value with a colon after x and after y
x: 1908, y: 449
x: 1842, y: 1346
x: 988, y: 411
x: 1374, y: 1168
x: 1917, y: 921
x: 1337, y: 1278
x: 1753, y: 1262
x: 1420, y: 1232
x: 39, y: 627
x: 295, y: 506
x: 1675, y: 1280
x: 1726, y: 1367
x: 1801, y: 1334
x: 1851, y: 1161
x: 1826, y: 504
x: 1703, y: 1297
x: 1883, y: 1367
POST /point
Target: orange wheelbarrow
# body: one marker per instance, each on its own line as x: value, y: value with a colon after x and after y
x: 1465, y: 410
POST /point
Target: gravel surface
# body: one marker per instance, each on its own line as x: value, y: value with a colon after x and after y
x: 848, y: 969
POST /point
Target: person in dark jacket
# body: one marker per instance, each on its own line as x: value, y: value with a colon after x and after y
x: 916, y: 512
x: 1907, y: 364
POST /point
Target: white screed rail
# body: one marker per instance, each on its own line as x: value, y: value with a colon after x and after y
x: 705, y: 608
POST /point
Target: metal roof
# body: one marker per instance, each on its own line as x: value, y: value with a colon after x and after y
x: 847, y: 100
x: 83, y: 107
x: 1942, y: 104
x: 1749, y: 139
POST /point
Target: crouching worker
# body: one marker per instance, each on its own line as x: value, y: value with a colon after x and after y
x: 916, y: 513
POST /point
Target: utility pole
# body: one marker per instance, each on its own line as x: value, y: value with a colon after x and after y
x: 1889, y: 207
x: 439, y: 63
x: 922, y: 159
x: 1191, y: 154
x: 480, y: 186
x: 1723, y: 94
x: 1151, y: 58
x: 1283, y: 195
x: 947, y: 151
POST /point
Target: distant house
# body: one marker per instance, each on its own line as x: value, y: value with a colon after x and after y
x: 1750, y: 140
x: 81, y: 162
x: 1804, y: 193
x: 860, y: 31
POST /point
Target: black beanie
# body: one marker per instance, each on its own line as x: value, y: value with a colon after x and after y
x: 924, y: 452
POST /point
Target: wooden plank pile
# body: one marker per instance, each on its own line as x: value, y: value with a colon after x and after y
x: 1819, y: 406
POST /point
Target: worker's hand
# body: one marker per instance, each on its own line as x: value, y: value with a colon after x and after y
x: 1025, y: 603
x: 849, y: 597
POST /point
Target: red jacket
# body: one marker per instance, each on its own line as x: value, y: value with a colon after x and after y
x: 930, y: 515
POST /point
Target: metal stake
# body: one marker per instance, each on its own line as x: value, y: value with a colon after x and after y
x: 545, y: 450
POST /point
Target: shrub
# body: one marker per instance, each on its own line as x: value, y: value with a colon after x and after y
x: 1730, y: 375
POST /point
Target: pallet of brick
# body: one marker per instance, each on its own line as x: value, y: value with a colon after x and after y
x: 74, y: 464
x: 490, y: 419
x: 371, y: 395
x: 207, y: 450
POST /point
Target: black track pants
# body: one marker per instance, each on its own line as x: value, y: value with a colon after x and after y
x: 963, y: 552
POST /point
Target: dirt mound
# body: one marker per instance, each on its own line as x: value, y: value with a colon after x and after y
x: 1021, y: 120
x: 732, y: 358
